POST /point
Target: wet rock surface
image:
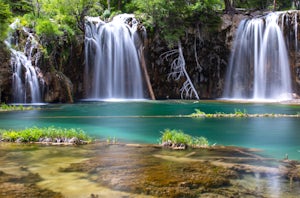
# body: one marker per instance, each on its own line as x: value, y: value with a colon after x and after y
x: 165, y: 173
x: 134, y: 170
x: 23, y: 186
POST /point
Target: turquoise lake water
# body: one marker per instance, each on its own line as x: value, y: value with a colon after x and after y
x: 142, y: 122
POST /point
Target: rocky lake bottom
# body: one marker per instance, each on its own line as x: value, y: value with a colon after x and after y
x: 140, y: 170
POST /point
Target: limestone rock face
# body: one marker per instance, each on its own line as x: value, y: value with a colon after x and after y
x: 212, y: 49
x: 5, y: 74
x: 206, y: 55
x: 59, y: 88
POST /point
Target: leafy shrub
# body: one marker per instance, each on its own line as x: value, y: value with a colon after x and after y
x: 33, y: 134
x: 239, y: 113
x: 200, y: 142
x: 5, y: 16
x: 175, y: 137
x: 6, y: 107
x: 198, y: 113
x: 48, y: 28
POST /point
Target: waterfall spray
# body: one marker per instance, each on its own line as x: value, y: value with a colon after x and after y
x: 112, y: 59
x: 25, y: 81
x: 259, y: 66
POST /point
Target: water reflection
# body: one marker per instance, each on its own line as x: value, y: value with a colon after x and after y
x: 141, y: 122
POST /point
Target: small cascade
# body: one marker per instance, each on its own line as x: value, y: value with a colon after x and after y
x: 25, y: 78
x: 296, y: 32
x: 112, y: 58
x: 259, y: 65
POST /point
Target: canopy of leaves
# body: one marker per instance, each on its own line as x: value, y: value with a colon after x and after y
x: 173, y: 17
x: 262, y: 4
x: 5, y: 16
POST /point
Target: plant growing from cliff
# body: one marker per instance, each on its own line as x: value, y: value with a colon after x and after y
x: 5, y: 16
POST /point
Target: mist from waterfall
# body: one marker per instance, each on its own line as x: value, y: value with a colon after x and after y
x: 259, y: 65
x: 25, y: 81
x: 112, y: 68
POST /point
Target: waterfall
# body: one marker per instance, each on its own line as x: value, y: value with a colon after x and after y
x: 296, y: 33
x: 259, y: 65
x: 25, y: 81
x: 112, y: 58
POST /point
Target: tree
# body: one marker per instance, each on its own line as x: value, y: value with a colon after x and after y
x: 172, y: 18
x: 297, y: 4
x: 20, y: 7
x: 229, y: 6
x: 5, y: 16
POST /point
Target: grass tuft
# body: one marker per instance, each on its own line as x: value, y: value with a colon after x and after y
x: 35, y: 134
x: 177, y: 138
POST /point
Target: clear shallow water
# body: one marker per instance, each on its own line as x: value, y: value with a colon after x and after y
x: 142, y: 122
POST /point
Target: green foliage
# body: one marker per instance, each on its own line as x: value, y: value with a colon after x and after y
x: 263, y: 4
x: 198, y: 113
x: 5, y: 16
x: 6, y: 107
x: 47, y: 28
x: 176, y: 137
x: 179, y: 137
x: 34, y: 134
x: 20, y: 7
x: 200, y: 142
x: 112, y: 140
x: 173, y: 17
x: 239, y: 113
x: 28, y: 20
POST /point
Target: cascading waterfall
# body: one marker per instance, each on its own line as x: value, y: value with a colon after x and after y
x: 25, y: 81
x: 112, y: 58
x: 296, y: 32
x: 259, y: 65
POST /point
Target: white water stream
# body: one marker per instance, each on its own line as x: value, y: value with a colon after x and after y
x: 112, y: 59
x: 25, y: 81
x: 259, y: 65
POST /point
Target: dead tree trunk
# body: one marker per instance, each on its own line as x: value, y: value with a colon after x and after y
x: 178, y: 70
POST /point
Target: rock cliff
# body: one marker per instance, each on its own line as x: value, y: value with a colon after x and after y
x: 206, y: 55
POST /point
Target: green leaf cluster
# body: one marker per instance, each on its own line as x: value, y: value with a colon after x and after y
x: 175, y: 136
x: 5, y: 17
x: 47, y: 28
x: 172, y: 18
x: 6, y: 107
x: 34, y: 134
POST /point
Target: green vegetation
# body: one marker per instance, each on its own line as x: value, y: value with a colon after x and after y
x: 112, y: 140
x: 5, y: 16
x: 35, y: 134
x: 237, y: 114
x: 177, y: 138
x: 6, y: 107
x: 172, y: 18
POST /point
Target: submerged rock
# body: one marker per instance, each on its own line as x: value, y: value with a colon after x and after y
x: 13, y: 186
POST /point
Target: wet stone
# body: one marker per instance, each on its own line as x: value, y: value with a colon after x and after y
x: 12, y: 186
x: 137, y: 170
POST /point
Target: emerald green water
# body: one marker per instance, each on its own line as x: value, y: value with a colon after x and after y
x: 142, y: 122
